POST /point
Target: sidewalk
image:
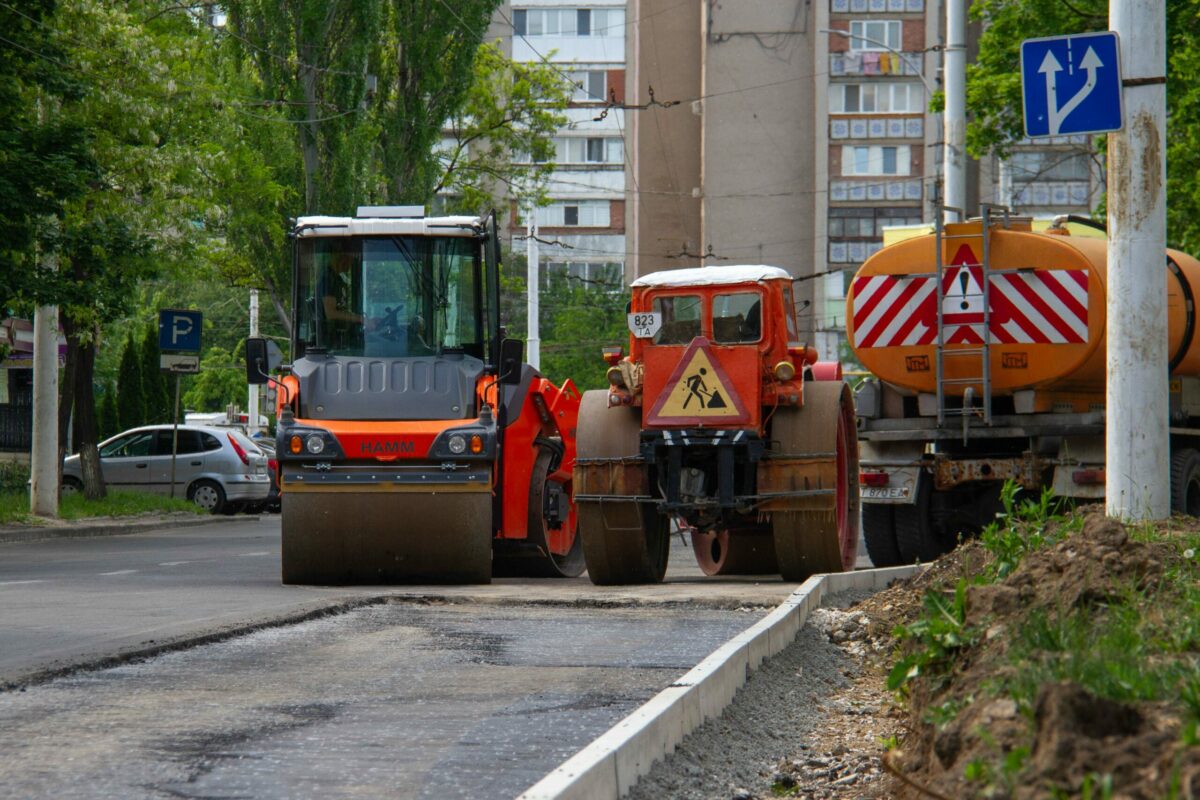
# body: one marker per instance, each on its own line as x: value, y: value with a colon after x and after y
x: 106, y: 526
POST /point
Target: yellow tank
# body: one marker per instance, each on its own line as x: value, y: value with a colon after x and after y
x: 1046, y: 313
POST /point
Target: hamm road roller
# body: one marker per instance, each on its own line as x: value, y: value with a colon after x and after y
x: 720, y: 420
x: 987, y: 343
x: 414, y: 445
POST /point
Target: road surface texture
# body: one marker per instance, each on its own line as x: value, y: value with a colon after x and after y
x: 773, y: 720
x: 395, y: 700
x: 173, y: 664
x: 75, y: 602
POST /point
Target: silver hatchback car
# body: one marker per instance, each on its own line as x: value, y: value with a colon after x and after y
x: 217, y: 468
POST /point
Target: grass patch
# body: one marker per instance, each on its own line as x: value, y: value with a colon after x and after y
x: 14, y: 506
x: 1119, y: 620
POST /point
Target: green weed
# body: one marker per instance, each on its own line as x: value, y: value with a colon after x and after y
x: 936, y: 636
x: 14, y: 506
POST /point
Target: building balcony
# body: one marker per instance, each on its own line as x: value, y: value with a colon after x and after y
x: 873, y: 63
x: 881, y: 128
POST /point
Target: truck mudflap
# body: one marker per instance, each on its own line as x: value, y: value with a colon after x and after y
x: 371, y: 526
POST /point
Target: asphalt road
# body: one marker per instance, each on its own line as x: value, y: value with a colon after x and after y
x: 427, y: 692
x: 69, y: 602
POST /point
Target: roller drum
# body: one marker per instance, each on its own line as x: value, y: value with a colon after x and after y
x: 338, y: 538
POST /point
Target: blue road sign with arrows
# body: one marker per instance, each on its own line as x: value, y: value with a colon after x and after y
x: 1071, y: 84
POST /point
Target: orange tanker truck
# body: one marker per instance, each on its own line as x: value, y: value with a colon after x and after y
x: 720, y: 420
x: 986, y: 342
x: 413, y: 444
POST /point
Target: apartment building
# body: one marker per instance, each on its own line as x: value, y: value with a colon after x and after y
x: 583, y: 228
x: 800, y: 132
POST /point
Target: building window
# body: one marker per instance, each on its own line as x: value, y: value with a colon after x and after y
x: 607, y: 275
x: 574, y: 213
x: 589, y: 86
x: 876, y: 34
x: 584, y: 150
x: 876, y: 160
x: 876, y: 98
x: 856, y: 233
x: 569, y: 21
x: 1049, y: 165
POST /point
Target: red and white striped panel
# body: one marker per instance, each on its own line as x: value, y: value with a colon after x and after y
x: 894, y: 311
x: 1042, y: 307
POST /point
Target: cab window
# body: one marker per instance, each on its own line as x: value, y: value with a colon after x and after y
x: 789, y: 308
x: 737, y: 318
x: 135, y: 444
x: 680, y: 318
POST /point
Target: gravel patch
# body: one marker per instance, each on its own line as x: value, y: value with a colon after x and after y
x: 738, y: 756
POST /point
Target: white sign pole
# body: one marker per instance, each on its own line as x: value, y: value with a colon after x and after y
x: 954, y: 118
x: 533, y: 355
x: 1137, y: 484
x: 252, y: 422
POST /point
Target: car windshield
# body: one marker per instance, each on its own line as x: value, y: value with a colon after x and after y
x: 389, y: 296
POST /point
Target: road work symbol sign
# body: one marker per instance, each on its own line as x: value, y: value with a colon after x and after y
x: 698, y: 391
x: 1071, y: 84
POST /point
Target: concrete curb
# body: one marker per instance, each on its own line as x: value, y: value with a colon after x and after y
x: 110, y: 527
x: 608, y: 767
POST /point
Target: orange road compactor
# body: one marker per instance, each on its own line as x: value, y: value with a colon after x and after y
x: 720, y: 420
x: 413, y: 443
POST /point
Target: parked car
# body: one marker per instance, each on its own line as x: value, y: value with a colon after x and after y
x: 219, y: 470
x: 268, y: 448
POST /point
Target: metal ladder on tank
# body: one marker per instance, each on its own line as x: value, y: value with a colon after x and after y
x: 982, y: 351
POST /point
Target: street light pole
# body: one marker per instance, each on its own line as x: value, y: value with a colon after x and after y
x: 954, y: 119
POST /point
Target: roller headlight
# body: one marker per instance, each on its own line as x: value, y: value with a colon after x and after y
x: 457, y: 444
x: 315, y: 444
x: 785, y: 371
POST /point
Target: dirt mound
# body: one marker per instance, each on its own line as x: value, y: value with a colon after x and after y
x: 983, y: 723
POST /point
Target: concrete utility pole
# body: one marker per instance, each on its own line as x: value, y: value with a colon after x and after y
x: 252, y: 404
x: 533, y: 344
x: 43, y: 462
x: 1137, y: 483
x: 954, y: 118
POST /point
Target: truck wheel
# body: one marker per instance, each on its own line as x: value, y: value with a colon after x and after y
x: 809, y: 541
x: 915, y: 535
x: 551, y: 565
x: 879, y: 531
x: 624, y: 541
x: 740, y: 551
x: 1185, y: 482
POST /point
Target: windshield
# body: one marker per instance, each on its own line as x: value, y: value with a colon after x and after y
x: 389, y: 296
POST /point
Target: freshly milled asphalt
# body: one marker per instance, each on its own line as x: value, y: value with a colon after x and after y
x: 418, y: 692
x: 395, y: 700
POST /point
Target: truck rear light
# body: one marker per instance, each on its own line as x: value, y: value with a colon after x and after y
x: 1088, y: 477
x: 237, y: 448
x: 873, y: 478
x: 611, y: 355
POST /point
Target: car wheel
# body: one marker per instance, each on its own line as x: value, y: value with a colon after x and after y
x: 71, y: 485
x: 208, y: 495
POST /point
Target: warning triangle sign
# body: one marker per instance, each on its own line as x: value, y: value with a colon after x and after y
x: 698, y: 392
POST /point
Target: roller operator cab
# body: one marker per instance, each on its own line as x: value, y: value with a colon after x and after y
x: 720, y: 421
x: 413, y: 443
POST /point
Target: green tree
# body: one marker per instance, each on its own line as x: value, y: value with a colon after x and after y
x: 107, y: 420
x: 154, y: 380
x: 365, y: 89
x: 994, y: 89
x: 219, y: 382
x: 131, y: 394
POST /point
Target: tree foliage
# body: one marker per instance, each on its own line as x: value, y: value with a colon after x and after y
x: 131, y: 393
x: 994, y: 89
x: 154, y: 381
x: 221, y: 381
